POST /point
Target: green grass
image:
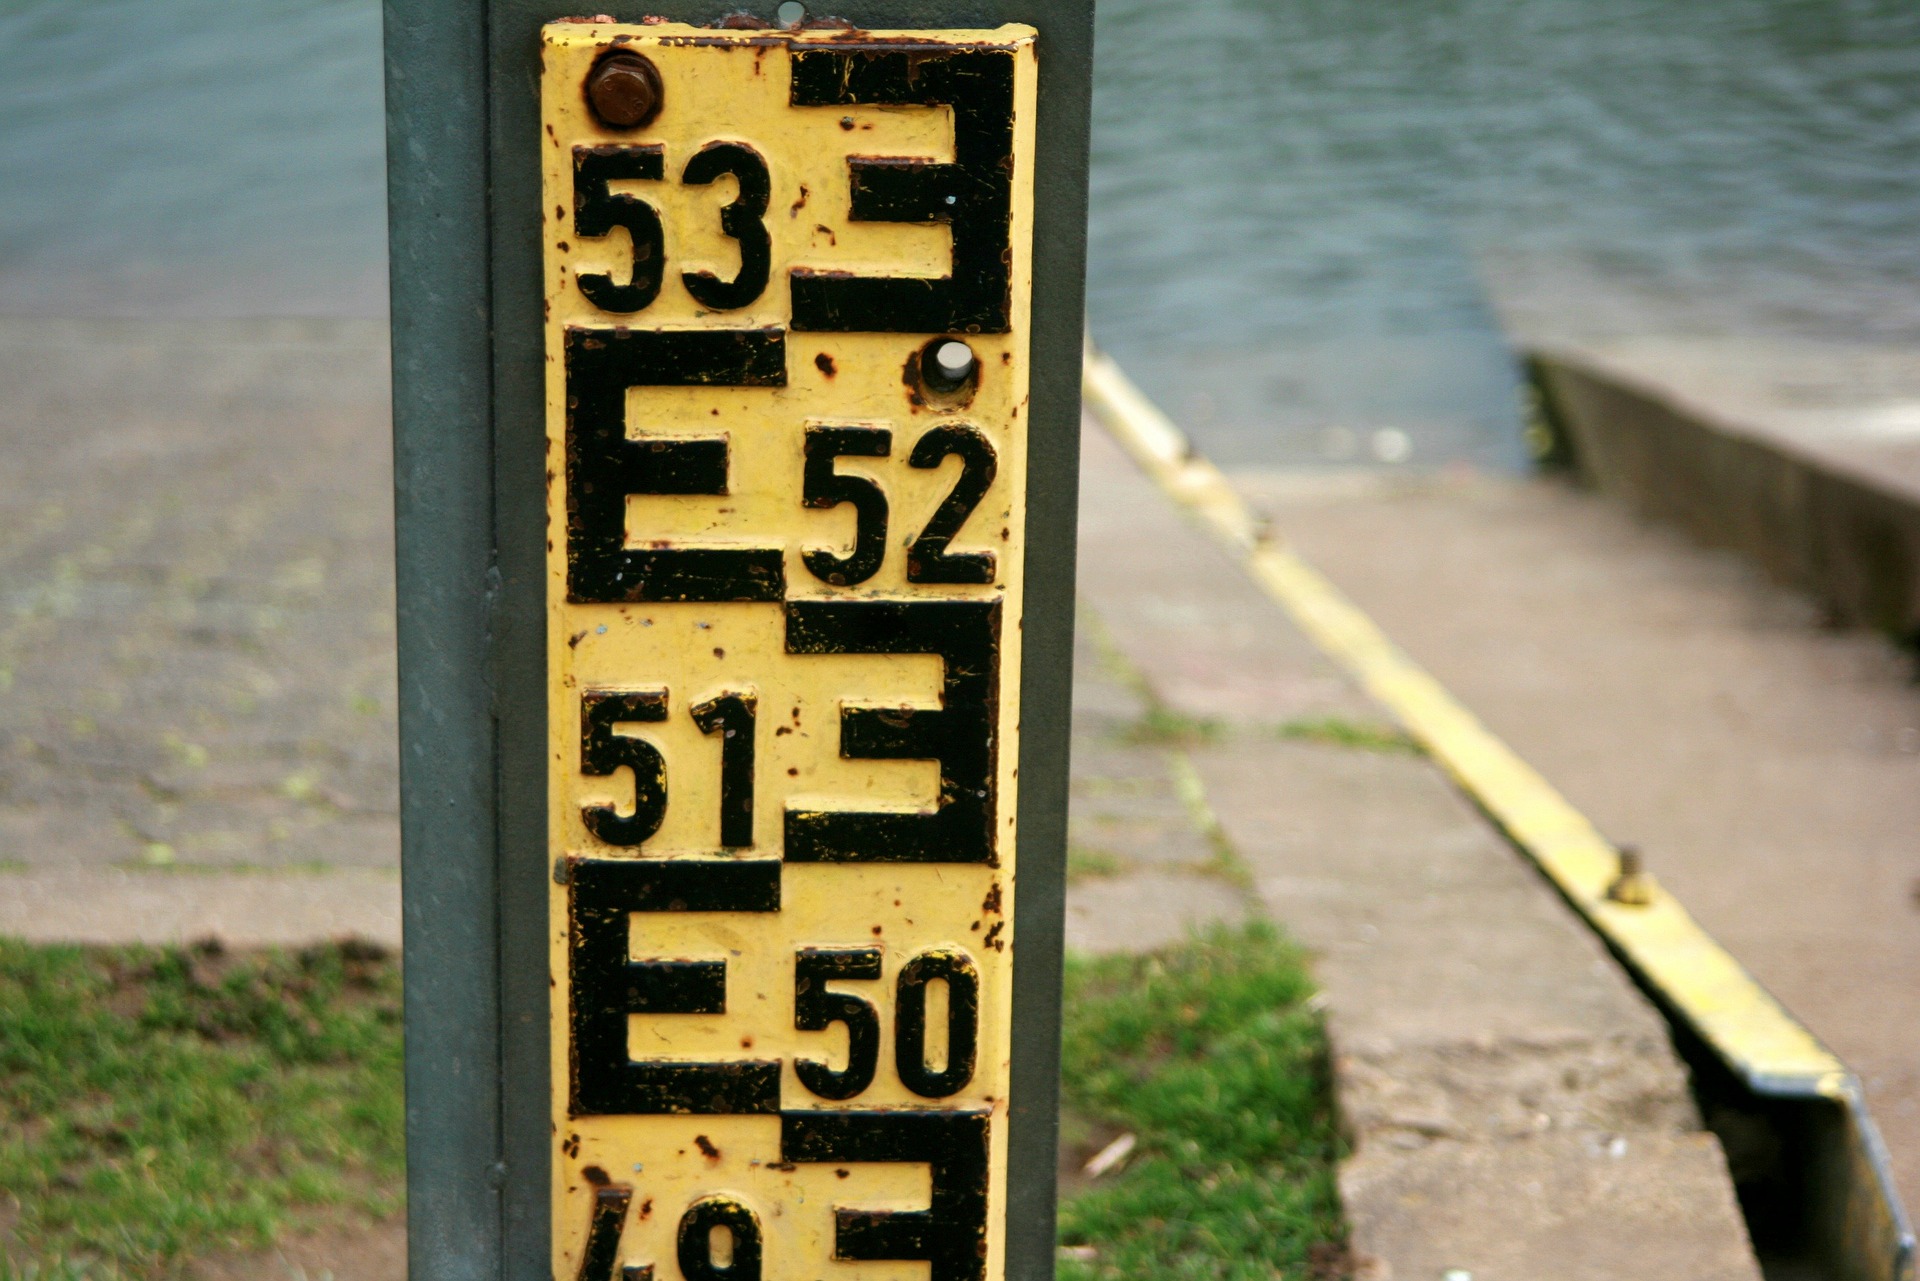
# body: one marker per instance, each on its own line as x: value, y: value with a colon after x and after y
x: 1224, y: 860
x: 1089, y: 862
x: 157, y: 1103
x: 1159, y: 726
x: 1209, y: 1054
x: 1337, y: 731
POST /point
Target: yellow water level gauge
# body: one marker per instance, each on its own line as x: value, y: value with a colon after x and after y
x: 787, y: 363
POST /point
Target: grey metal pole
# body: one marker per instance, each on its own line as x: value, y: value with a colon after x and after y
x: 464, y: 182
x: 443, y: 511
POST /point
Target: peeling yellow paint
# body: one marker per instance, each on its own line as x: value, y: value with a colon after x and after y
x: 732, y: 85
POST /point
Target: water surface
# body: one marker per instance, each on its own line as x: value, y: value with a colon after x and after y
x: 192, y: 157
x: 1317, y: 224
x: 1314, y: 220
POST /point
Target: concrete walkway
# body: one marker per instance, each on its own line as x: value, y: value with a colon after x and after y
x: 1768, y: 768
x: 196, y: 632
x: 1856, y: 405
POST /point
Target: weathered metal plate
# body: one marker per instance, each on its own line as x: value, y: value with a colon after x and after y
x: 785, y: 559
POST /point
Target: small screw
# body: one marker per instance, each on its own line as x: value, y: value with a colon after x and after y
x: 624, y: 90
x: 1632, y: 887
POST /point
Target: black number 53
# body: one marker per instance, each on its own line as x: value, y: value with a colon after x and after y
x: 597, y: 210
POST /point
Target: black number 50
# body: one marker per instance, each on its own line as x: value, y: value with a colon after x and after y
x: 815, y: 1009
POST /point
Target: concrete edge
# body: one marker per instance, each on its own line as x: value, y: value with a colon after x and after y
x: 94, y: 906
x: 1824, y: 523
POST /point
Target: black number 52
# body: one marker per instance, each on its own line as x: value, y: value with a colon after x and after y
x: 928, y: 560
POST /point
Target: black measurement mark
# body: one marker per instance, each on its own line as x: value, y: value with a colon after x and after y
x: 731, y: 716
x: 823, y: 487
x: 696, y: 1240
x: 910, y: 1021
x: 610, y: 1202
x: 743, y: 220
x: 605, y: 465
x: 602, y: 895
x: 597, y: 211
x: 973, y: 195
x: 815, y: 1009
x: 602, y: 752
x: 961, y: 734
x: 951, y: 1232
x: 928, y: 560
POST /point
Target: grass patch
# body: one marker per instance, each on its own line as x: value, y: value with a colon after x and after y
x: 1160, y: 727
x: 158, y: 1103
x: 1089, y: 863
x: 1209, y: 1054
x: 1337, y: 731
x: 1223, y: 860
x: 171, y: 866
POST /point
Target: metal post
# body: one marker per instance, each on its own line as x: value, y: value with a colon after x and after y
x: 469, y: 402
x: 443, y: 511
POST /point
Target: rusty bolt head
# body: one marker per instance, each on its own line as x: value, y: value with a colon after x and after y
x: 1632, y: 887
x: 624, y: 90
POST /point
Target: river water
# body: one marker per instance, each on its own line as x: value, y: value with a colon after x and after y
x: 1318, y: 225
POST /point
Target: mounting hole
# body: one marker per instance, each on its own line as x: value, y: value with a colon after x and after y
x: 947, y: 365
x: 791, y: 13
x: 954, y: 360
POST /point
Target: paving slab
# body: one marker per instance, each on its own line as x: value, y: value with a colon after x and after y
x: 1594, y: 1208
x: 258, y: 909
x: 196, y: 632
x: 1853, y: 404
x: 196, y: 596
x: 1142, y: 870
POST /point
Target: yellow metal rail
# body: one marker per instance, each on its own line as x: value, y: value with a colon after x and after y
x: 1699, y: 980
